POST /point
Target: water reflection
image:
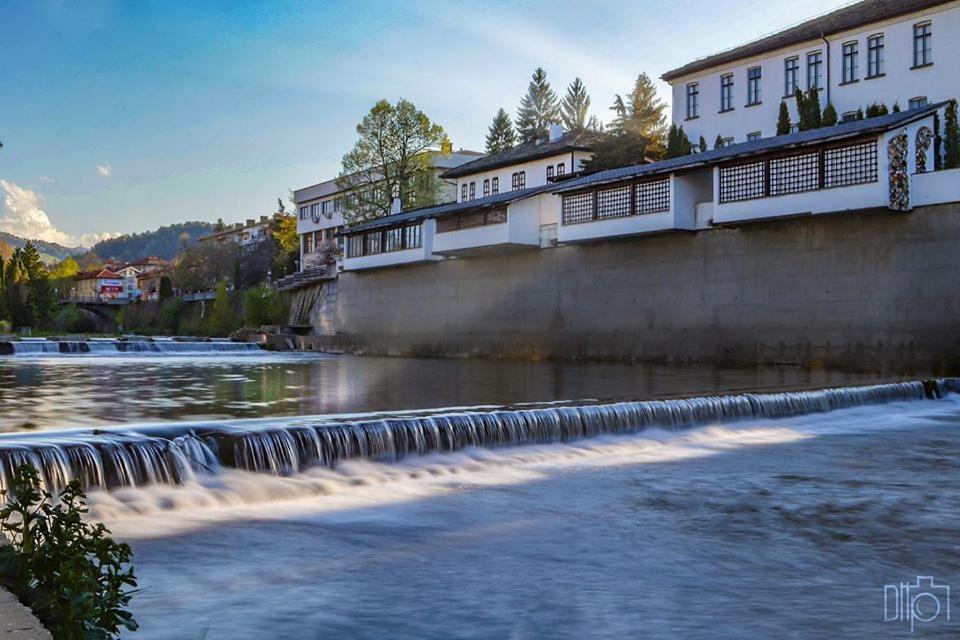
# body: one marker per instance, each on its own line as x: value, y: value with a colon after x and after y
x: 57, y: 392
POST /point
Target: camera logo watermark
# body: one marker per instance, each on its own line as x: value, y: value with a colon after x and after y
x: 922, y: 602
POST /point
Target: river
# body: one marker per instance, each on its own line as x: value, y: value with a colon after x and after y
x: 780, y: 515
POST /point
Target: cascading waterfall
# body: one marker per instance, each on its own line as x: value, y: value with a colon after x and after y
x: 100, y: 346
x: 110, y: 458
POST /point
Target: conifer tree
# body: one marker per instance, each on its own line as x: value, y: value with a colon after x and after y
x: 678, y: 144
x: 937, y: 143
x: 829, y: 115
x: 813, y: 104
x: 539, y: 108
x: 896, y: 107
x: 783, y: 120
x: 500, y: 135
x: 703, y: 144
x: 718, y: 143
x: 951, y: 137
x: 574, y: 107
x: 640, y: 112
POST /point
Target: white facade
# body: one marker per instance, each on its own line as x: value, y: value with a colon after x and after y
x: 244, y: 234
x: 423, y: 253
x: 896, y: 81
x: 535, y: 173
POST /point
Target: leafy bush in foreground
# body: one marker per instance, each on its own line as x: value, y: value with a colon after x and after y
x: 71, y: 573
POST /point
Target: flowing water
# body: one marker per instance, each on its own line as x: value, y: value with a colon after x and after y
x: 372, y: 498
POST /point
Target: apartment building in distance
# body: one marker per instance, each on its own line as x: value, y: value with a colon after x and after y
x: 320, y: 206
x: 874, y: 51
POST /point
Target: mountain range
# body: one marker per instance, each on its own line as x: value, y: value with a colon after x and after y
x: 50, y: 252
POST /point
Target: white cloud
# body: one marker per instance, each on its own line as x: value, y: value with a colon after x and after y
x: 104, y: 169
x: 47, y: 179
x: 23, y: 215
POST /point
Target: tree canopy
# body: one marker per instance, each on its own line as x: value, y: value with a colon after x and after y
x: 501, y: 135
x: 574, y: 107
x: 390, y: 159
x: 640, y: 112
x: 539, y: 108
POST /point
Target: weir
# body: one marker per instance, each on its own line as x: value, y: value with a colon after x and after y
x: 172, y: 454
x: 35, y: 347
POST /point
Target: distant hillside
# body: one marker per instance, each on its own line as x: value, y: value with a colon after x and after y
x: 49, y: 251
x: 165, y: 242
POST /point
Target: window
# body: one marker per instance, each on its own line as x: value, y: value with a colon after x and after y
x: 849, y: 116
x: 726, y: 142
x: 814, y: 70
x: 922, y: 44
x: 549, y: 172
x: 753, y: 136
x: 473, y: 190
x: 338, y: 203
x: 791, y: 76
x: 693, y: 100
x: 518, y: 180
x: 753, y: 86
x: 851, y: 51
x: 561, y: 168
x: 327, y: 208
x: 463, y: 192
x: 308, y: 243
x: 875, y: 56
x: 315, y: 211
x: 919, y: 102
x: 496, y: 186
x: 471, y: 220
x: 726, y: 92
x: 486, y: 187
x: 303, y: 213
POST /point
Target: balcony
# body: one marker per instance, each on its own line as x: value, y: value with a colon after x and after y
x: 512, y: 228
x: 403, y: 244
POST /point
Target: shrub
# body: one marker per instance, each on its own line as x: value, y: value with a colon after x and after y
x: 75, y: 320
x: 71, y: 573
x: 262, y: 305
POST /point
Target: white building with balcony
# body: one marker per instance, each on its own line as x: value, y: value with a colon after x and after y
x: 320, y: 206
x: 875, y: 51
x: 883, y: 163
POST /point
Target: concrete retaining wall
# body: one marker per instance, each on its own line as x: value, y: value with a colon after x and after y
x: 867, y: 290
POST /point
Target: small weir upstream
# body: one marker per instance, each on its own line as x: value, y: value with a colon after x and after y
x: 34, y: 347
x: 172, y: 454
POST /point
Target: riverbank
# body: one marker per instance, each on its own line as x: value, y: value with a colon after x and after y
x: 17, y: 622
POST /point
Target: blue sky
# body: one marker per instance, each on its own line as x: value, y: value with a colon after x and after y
x: 124, y: 115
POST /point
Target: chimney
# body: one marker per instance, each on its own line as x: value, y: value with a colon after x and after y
x: 556, y: 132
x: 249, y: 222
x: 395, y: 206
x: 263, y: 219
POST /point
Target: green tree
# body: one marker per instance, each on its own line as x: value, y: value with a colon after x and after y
x: 287, y: 240
x: 703, y: 144
x: 15, y: 292
x: 611, y: 151
x: 539, y: 109
x: 391, y: 159
x: 829, y: 115
x: 574, y: 106
x: 223, y: 314
x: 640, y: 111
x: 783, y: 120
x: 951, y: 137
x: 937, y: 142
x: 66, y: 268
x: 678, y: 144
x: 41, y: 296
x: 718, y: 143
x: 813, y: 104
x: 500, y: 135
x: 896, y: 107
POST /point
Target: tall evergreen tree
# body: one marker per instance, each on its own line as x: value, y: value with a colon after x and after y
x: 830, y: 115
x: 539, y: 108
x: 41, y: 296
x: 640, y: 112
x: 813, y: 104
x: 718, y: 143
x: 937, y: 142
x: 783, y: 120
x: 574, y: 107
x: 15, y: 294
x: 500, y: 135
x: 703, y: 144
x: 678, y: 144
x: 951, y: 137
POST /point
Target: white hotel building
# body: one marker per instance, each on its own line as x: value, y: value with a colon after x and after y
x: 875, y: 51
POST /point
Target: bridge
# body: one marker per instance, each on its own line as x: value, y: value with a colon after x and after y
x: 102, y: 300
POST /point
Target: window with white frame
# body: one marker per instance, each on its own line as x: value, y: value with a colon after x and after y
x: 486, y: 187
x: 726, y: 92
x: 753, y: 86
x: 326, y: 207
x: 791, y: 76
x: 495, y: 186
x: 726, y: 142
x: 815, y: 70
x: 919, y: 102
x: 463, y: 192
x: 473, y: 190
x: 693, y: 100
x: 851, y: 53
x: 561, y: 168
x: 315, y: 211
x: 875, y: 56
x: 756, y: 135
x: 922, y: 44
x: 549, y: 171
x: 304, y: 212
x: 518, y: 180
